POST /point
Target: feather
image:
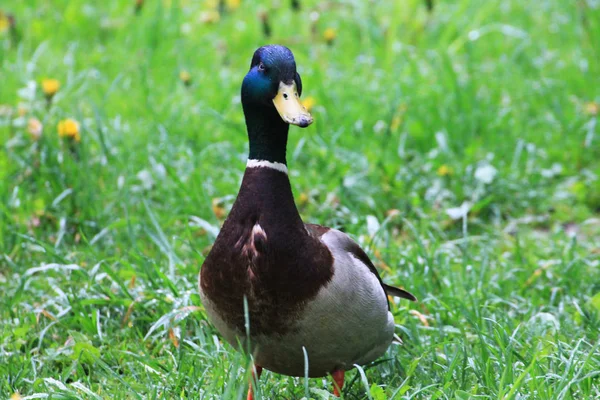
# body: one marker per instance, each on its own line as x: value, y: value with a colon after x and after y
x: 397, y: 292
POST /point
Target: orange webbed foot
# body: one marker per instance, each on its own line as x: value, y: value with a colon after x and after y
x: 338, y: 382
x: 256, y: 371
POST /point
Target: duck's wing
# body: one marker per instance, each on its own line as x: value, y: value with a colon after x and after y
x: 353, y: 248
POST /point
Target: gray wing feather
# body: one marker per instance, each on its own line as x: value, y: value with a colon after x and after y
x: 352, y: 247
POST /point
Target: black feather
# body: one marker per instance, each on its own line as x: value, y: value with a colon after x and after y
x: 397, y: 292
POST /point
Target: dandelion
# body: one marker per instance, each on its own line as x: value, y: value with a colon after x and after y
x: 185, y: 77
x: 50, y: 87
x: 34, y: 128
x: 309, y: 103
x: 591, y: 108
x: 233, y: 5
x: 445, y: 170
x: 329, y: 35
x: 303, y: 199
x: 69, y: 128
x: 4, y: 22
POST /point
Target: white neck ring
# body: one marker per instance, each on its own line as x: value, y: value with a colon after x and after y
x: 267, y: 164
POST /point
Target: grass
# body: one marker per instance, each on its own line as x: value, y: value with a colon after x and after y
x: 492, y: 106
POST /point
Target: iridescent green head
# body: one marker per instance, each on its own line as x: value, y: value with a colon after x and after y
x: 274, y: 84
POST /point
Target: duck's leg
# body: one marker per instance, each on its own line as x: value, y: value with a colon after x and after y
x: 338, y: 382
x: 256, y: 371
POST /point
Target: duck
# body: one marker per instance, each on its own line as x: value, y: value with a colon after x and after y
x: 301, y: 298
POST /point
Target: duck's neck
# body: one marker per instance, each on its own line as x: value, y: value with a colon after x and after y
x: 267, y: 134
x: 266, y: 193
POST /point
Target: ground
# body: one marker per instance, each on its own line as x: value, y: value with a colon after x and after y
x: 458, y: 145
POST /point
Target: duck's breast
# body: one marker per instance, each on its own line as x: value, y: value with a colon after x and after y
x: 347, y: 323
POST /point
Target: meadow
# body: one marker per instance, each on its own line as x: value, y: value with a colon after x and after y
x: 459, y: 144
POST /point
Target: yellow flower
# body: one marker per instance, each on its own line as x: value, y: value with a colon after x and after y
x: 34, y: 127
x: 592, y: 108
x: 302, y: 199
x: 309, y: 103
x: 329, y: 35
x: 233, y: 5
x: 185, y: 77
x: 445, y: 170
x: 69, y: 128
x: 212, y: 4
x: 4, y: 22
x: 50, y: 87
x: 15, y: 396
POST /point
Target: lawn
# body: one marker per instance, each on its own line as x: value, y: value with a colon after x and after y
x: 459, y: 145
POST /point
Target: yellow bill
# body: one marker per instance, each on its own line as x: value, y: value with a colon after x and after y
x: 287, y: 103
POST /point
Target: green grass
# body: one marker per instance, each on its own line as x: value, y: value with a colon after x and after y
x: 101, y: 241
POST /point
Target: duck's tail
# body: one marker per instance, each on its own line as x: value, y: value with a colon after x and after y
x: 397, y: 292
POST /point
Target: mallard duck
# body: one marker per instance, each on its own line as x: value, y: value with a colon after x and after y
x: 306, y: 288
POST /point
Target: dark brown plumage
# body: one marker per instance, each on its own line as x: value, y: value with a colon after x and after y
x: 290, y: 266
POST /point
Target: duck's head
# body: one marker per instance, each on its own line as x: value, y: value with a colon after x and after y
x: 273, y: 84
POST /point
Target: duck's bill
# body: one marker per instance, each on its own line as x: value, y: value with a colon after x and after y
x: 287, y: 103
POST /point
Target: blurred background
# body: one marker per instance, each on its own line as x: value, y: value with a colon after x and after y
x: 456, y: 140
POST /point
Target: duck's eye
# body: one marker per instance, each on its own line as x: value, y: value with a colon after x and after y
x: 285, y: 96
x: 261, y: 66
